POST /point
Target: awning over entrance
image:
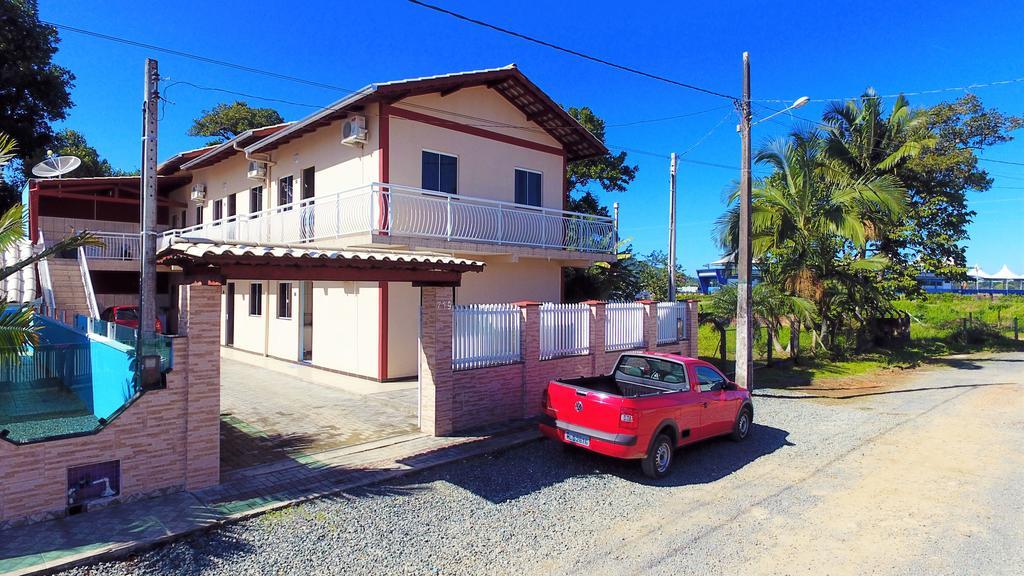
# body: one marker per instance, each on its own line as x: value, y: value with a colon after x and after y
x: 209, y: 260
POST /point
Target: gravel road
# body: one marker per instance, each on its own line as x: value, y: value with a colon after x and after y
x: 922, y: 476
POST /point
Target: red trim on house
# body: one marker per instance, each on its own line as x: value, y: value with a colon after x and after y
x: 473, y: 130
x: 105, y: 199
x: 384, y: 130
x: 565, y: 185
x: 33, y: 214
x: 382, y: 355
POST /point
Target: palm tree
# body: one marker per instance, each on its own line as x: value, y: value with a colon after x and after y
x: 17, y: 332
x: 807, y: 214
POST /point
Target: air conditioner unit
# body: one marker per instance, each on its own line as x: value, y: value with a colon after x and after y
x: 257, y: 170
x: 353, y: 131
x: 199, y: 193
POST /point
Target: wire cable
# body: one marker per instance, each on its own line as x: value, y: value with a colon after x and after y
x: 576, y: 53
x: 966, y: 88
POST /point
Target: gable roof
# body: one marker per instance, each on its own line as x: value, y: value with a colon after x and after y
x: 218, y: 152
x: 173, y: 164
x: 508, y: 81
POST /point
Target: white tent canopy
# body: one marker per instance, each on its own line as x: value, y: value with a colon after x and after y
x: 976, y: 272
x: 1006, y: 274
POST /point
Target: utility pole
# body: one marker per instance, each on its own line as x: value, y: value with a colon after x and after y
x: 672, y: 229
x: 744, y: 337
x: 147, y: 208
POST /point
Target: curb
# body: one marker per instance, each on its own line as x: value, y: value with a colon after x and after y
x: 493, y: 445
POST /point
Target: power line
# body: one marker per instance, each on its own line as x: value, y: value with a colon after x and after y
x: 966, y: 88
x: 486, y: 122
x: 706, y: 136
x: 570, y: 51
x: 1001, y: 161
x: 198, y: 57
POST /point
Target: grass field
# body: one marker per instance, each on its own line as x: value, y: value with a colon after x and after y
x: 936, y: 330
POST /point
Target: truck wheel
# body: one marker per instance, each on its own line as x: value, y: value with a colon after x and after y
x: 659, y: 459
x: 742, y: 426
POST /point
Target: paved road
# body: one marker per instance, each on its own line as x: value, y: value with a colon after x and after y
x: 922, y: 477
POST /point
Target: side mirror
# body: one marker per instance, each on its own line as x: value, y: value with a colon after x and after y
x: 731, y: 386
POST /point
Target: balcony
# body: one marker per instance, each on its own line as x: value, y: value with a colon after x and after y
x: 116, y: 246
x: 400, y: 212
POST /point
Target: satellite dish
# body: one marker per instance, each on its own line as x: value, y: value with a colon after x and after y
x: 56, y: 166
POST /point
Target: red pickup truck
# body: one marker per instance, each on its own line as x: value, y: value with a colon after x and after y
x: 650, y: 405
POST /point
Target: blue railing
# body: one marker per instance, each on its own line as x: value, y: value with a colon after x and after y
x: 944, y: 290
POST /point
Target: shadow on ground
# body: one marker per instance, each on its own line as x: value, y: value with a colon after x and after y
x: 805, y: 396
x: 243, y: 446
x: 512, y: 474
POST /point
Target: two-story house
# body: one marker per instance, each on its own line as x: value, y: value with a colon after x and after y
x: 469, y: 164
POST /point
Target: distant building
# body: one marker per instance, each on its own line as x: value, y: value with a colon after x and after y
x: 721, y: 272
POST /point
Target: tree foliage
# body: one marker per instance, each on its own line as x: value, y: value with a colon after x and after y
x: 225, y: 121
x: 611, y: 172
x: 69, y: 142
x: 33, y: 90
x: 931, y: 237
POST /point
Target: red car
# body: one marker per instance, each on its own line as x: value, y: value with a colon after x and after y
x: 650, y: 405
x: 126, y: 316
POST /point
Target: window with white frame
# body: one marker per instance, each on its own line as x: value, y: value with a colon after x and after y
x: 440, y: 172
x: 284, y: 300
x: 218, y: 209
x: 199, y: 215
x: 528, y: 187
x: 285, y: 192
x: 255, y: 199
x: 255, y: 299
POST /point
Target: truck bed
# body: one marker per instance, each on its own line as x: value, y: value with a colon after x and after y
x: 610, y: 385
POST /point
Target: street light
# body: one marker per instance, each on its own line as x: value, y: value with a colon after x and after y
x: 798, y: 103
x: 744, y: 334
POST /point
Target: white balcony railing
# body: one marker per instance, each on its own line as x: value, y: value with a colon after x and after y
x: 386, y: 209
x: 116, y: 246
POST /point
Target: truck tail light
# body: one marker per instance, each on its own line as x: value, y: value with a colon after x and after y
x: 628, y: 418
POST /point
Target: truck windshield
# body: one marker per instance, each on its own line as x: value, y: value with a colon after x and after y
x: 654, y: 371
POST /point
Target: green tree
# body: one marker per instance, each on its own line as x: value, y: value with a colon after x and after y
x: 611, y: 171
x: 17, y: 332
x: 225, y: 121
x: 33, y: 90
x: 931, y: 237
x: 652, y: 275
x: 69, y: 142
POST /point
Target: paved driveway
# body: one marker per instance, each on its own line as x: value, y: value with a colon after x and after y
x: 268, y: 416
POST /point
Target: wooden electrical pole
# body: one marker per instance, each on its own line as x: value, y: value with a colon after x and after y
x: 147, y: 208
x: 744, y: 336
x: 672, y: 229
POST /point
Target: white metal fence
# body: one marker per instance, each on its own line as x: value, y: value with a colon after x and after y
x: 564, y: 330
x: 407, y: 211
x: 623, y: 325
x: 116, y: 246
x: 672, y: 322
x: 485, y: 335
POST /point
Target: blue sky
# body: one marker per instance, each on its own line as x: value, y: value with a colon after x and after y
x: 822, y: 50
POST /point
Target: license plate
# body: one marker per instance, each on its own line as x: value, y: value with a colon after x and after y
x: 581, y: 439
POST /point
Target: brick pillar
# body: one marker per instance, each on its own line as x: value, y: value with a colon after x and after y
x: 692, y: 325
x: 597, y: 342
x: 650, y: 324
x: 534, y: 383
x: 435, y: 360
x: 199, y: 320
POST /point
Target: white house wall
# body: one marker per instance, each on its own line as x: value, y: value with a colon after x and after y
x: 346, y: 328
x: 403, y: 329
